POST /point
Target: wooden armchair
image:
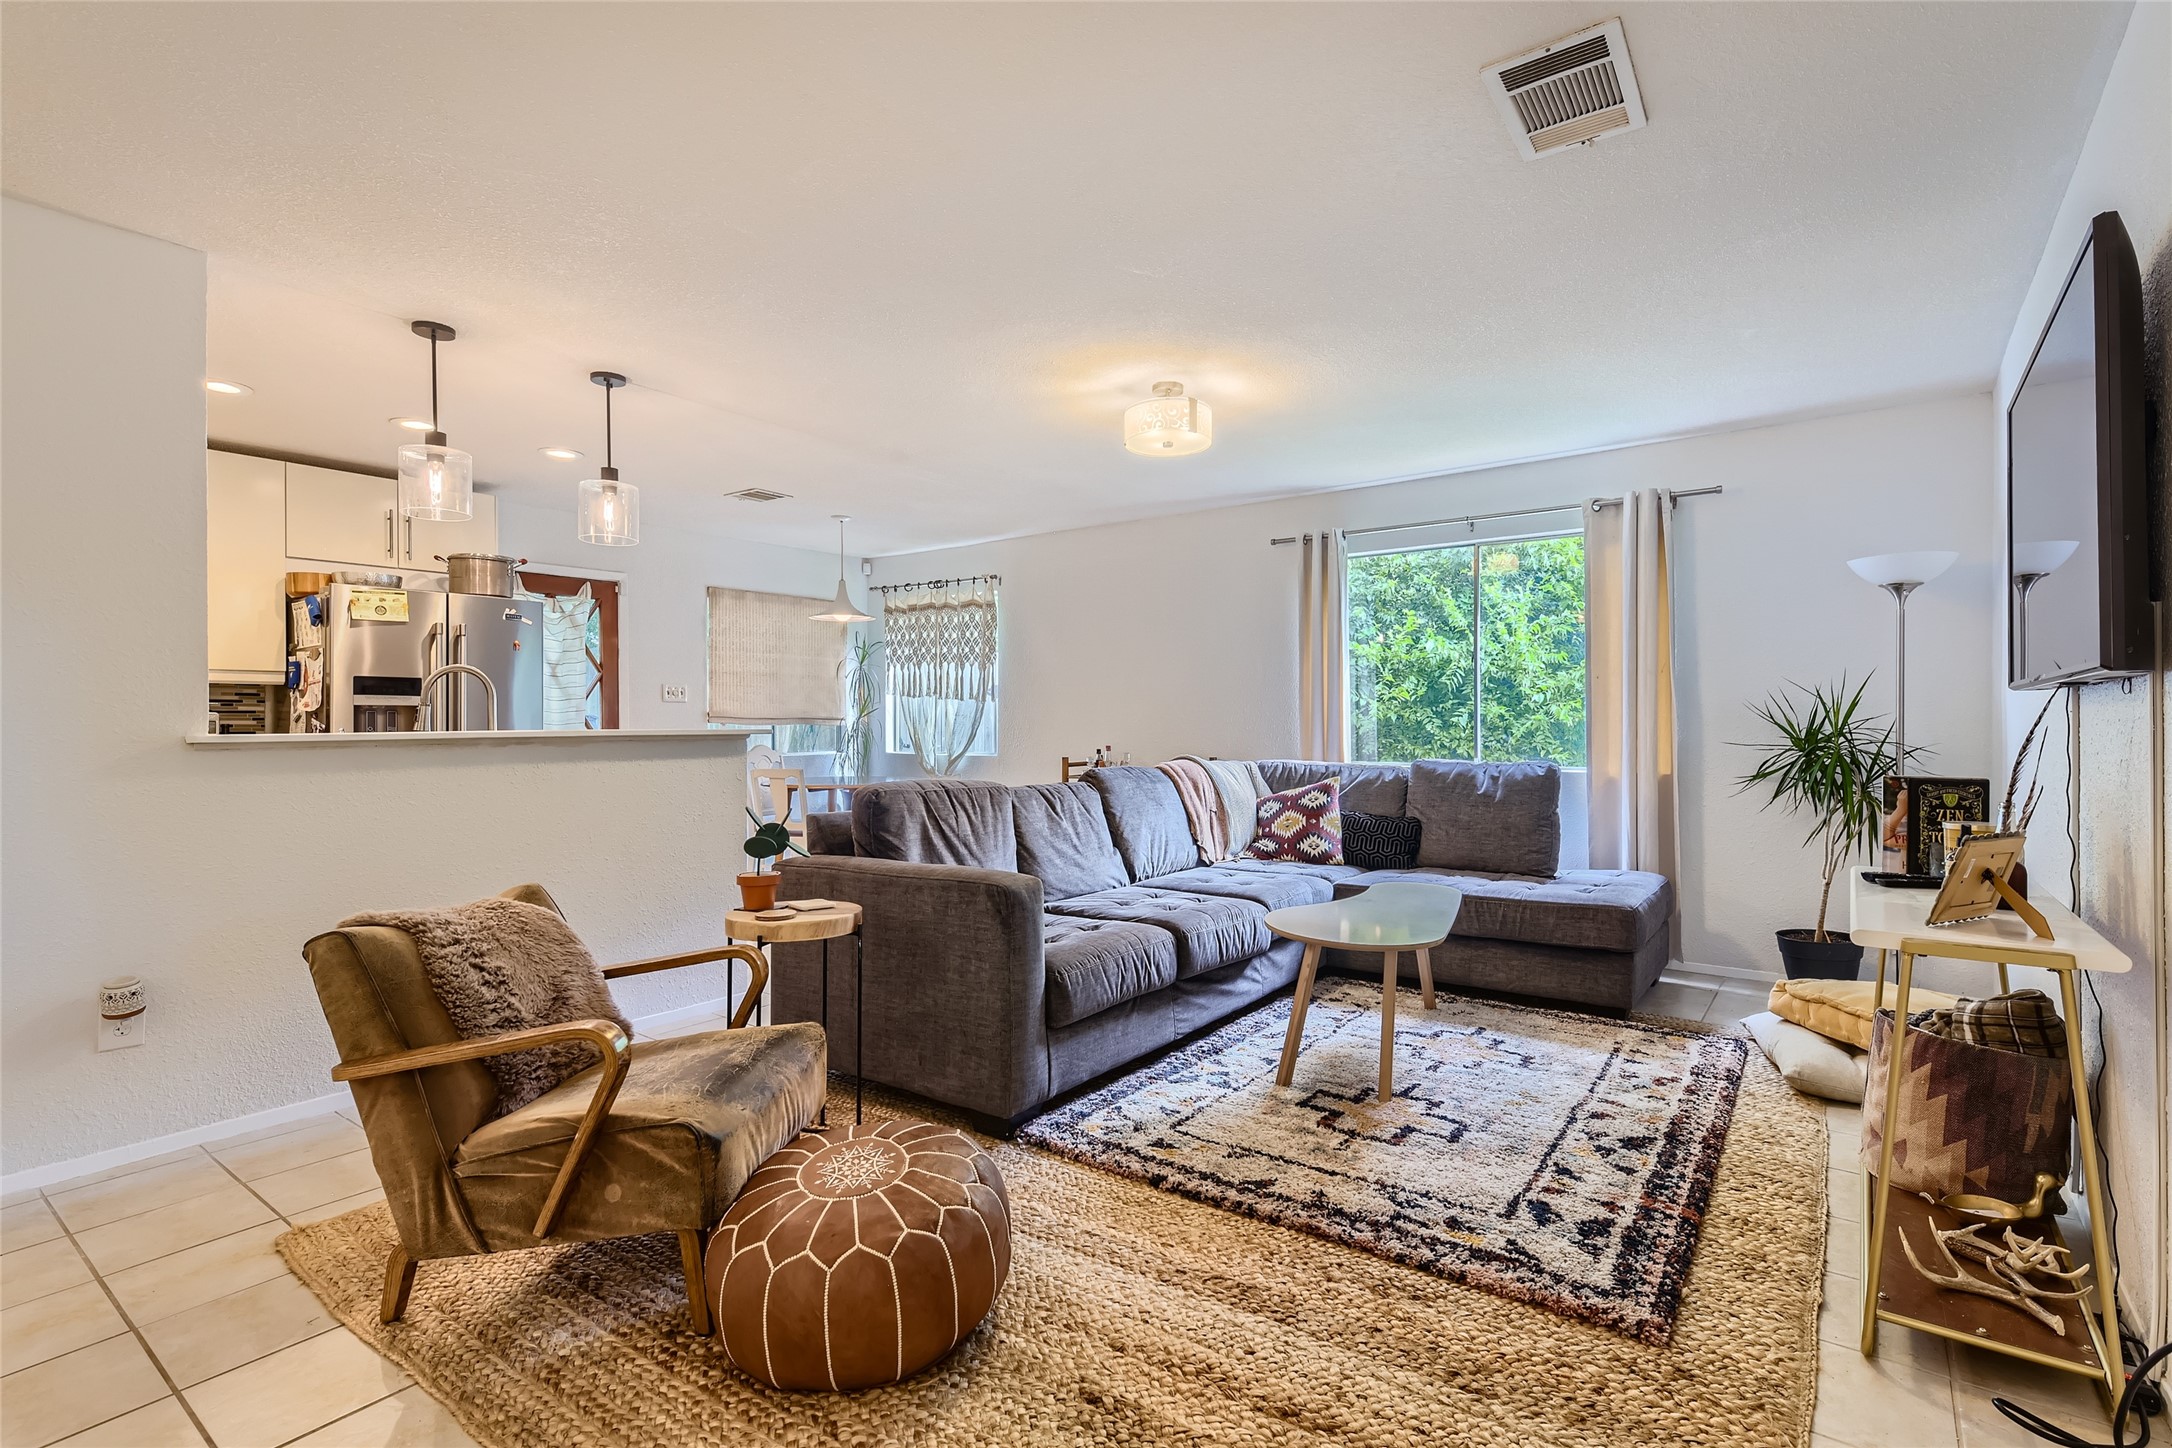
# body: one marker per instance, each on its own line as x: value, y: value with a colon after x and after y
x: 657, y: 1136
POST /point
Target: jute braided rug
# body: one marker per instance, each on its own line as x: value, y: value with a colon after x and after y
x: 1136, y: 1316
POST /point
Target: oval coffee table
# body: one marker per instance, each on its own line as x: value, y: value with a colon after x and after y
x: 1388, y: 918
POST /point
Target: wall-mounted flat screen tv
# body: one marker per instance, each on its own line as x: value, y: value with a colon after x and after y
x: 2077, y: 506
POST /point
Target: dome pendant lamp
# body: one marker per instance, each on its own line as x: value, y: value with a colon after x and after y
x: 1169, y: 424
x: 841, y: 609
x: 436, y: 482
x: 609, y: 511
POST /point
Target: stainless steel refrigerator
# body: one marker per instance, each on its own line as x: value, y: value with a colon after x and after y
x: 377, y: 645
x: 503, y: 637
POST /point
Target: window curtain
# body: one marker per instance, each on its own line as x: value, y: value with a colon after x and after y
x: 941, y: 641
x: 1323, y: 675
x: 1629, y: 704
x: 770, y: 663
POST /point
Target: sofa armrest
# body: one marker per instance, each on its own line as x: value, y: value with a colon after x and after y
x: 954, y: 982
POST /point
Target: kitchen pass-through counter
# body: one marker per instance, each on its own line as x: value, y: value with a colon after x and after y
x: 395, y: 738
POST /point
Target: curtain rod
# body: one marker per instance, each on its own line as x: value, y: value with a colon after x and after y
x: 995, y: 578
x: 1593, y: 504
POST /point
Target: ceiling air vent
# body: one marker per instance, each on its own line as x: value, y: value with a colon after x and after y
x: 1568, y: 93
x: 757, y: 495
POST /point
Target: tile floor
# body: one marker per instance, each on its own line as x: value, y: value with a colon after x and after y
x: 144, y: 1307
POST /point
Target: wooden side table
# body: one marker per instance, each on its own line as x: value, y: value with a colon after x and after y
x: 840, y: 920
x: 1894, y: 922
x: 1387, y: 918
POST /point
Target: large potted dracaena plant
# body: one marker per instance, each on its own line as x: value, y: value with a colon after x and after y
x: 1828, y: 765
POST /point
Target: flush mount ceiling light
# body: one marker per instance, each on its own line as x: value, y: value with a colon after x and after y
x: 1169, y: 424
x: 563, y: 454
x: 412, y: 424
x: 436, y: 482
x: 841, y: 609
x: 228, y: 389
x: 609, y: 511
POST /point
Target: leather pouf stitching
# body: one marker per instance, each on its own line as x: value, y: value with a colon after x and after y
x: 858, y: 1255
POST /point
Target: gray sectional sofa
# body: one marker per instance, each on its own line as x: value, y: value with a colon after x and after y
x: 1024, y: 940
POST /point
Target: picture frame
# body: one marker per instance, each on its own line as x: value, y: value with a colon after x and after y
x: 1977, y: 882
x: 1916, y: 806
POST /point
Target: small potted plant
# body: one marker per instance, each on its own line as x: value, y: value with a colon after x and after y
x: 1829, y: 765
x: 758, y: 890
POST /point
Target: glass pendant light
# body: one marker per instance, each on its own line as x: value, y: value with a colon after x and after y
x: 609, y: 510
x: 1169, y: 424
x: 436, y: 482
x: 841, y: 609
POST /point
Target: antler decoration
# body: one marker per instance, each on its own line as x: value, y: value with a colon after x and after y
x: 2011, y: 1262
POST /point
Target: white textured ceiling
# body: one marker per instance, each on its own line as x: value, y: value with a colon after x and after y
x: 910, y: 262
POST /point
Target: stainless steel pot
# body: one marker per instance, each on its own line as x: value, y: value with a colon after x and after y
x: 489, y: 573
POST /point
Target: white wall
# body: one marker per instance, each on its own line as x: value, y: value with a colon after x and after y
x: 2125, y: 166
x: 663, y: 596
x: 122, y: 850
x: 1180, y: 634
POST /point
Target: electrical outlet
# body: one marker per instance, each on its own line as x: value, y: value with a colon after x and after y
x: 674, y: 693
x: 120, y: 1035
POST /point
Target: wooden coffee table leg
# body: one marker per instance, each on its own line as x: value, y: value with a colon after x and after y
x: 1305, y: 972
x: 1387, y: 1025
x: 1425, y: 976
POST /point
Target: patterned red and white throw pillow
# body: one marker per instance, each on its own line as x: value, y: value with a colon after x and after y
x: 1304, y: 825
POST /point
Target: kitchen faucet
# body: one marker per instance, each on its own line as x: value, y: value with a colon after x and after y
x: 490, y: 694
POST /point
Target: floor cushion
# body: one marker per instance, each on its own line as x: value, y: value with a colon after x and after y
x: 1582, y: 909
x: 1813, y: 1064
x: 859, y: 1255
x: 1063, y: 837
x: 1208, y: 930
x: 1269, y: 888
x: 1498, y: 817
x: 1840, y: 1009
x: 1095, y: 964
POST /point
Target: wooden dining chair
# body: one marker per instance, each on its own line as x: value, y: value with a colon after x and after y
x: 783, y: 786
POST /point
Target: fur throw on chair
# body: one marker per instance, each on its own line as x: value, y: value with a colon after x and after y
x: 502, y: 965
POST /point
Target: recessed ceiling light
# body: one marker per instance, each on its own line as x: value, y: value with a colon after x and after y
x: 565, y: 454
x: 231, y: 389
x: 412, y: 424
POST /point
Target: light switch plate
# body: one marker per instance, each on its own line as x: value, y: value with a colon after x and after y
x: 674, y: 693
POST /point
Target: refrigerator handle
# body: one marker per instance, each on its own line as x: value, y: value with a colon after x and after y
x: 457, y: 653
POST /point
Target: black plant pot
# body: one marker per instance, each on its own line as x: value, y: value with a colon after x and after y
x: 1806, y: 958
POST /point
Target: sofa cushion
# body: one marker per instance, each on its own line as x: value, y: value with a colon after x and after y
x: 1146, y: 819
x: 1270, y: 889
x: 1373, y: 788
x: 1378, y: 841
x: 1330, y: 873
x: 1502, y: 818
x: 829, y: 832
x: 1304, y: 824
x: 1095, y: 964
x: 1208, y: 930
x: 936, y: 822
x: 1586, y: 909
x: 1063, y: 837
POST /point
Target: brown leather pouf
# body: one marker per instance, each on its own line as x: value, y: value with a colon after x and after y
x: 858, y: 1255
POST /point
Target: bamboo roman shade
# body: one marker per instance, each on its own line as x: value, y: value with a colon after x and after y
x: 769, y: 663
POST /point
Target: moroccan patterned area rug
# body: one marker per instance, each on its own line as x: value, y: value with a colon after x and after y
x: 1560, y: 1159
x: 1137, y: 1316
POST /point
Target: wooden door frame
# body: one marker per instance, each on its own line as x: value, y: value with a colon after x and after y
x: 605, y: 591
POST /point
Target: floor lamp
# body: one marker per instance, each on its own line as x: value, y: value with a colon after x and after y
x: 1901, y: 574
x: 2033, y: 563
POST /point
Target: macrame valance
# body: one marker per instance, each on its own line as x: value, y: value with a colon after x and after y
x: 941, y: 642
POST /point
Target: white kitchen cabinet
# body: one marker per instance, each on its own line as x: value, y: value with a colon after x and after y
x: 247, y: 556
x: 421, y: 540
x: 341, y: 517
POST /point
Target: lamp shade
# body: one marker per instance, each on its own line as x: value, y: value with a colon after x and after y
x: 841, y: 609
x: 1887, y: 569
x: 609, y: 511
x: 1168, y: 424
x: 436, y: 482
x: 2038, y: 559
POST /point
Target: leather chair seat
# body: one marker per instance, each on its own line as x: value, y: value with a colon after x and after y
x: 693, y: 1120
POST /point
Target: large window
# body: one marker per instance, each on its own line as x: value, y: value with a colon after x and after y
x: 1469, y: 652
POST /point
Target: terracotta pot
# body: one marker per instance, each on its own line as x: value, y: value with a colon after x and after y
x: 758, y: 891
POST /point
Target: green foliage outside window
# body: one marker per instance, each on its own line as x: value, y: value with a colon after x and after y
x: 1410, y: 655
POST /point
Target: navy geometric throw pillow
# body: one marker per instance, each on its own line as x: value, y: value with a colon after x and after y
x: 1379, y: 842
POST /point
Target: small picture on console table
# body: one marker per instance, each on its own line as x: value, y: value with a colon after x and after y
x: 1970, y: 892
x: 1912, y: 834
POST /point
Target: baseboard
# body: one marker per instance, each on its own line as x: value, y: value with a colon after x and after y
x: 1731, y: 972
x: 61, y: 1171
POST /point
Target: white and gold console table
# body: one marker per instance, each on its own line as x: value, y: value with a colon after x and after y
x: 1893, y: 922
